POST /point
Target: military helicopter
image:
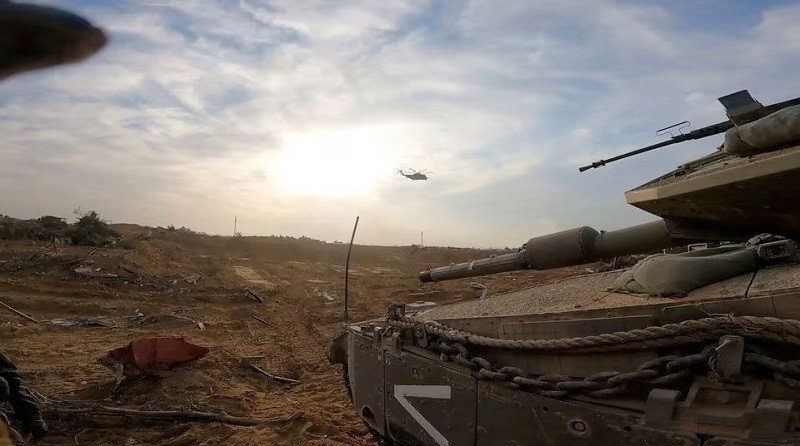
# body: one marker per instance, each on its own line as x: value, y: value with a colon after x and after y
x: 414, y: 175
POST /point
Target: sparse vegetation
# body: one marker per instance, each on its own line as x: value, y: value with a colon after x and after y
x: 48, y: 228
x: 298, y: 278
x: 181, y: 230
x: 89, y: 230
x: 14, y: 229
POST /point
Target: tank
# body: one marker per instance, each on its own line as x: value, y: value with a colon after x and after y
x: 698, y: 343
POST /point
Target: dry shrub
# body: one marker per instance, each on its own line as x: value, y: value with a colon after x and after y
x: 91, y: 230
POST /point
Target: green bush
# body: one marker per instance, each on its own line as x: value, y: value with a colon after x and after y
x: 91, y: 230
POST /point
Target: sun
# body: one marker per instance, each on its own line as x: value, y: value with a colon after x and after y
x: 335, y: 163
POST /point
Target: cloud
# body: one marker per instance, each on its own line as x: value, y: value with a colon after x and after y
x: 295, y: 116
x: 325, y: 20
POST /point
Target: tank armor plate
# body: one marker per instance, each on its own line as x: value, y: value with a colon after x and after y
x: 571, y: 298
x: 756, y: 193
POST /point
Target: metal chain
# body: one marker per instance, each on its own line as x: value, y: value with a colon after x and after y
x: 668, y: 335
x: 661, y: 371
x: 788, y: 373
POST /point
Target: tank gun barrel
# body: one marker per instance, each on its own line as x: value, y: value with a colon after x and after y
x: 566, y: 248
x: 741, y: 108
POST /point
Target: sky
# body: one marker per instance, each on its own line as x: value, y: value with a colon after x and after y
x: 295, y: 115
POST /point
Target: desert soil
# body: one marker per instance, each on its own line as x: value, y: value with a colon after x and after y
x: 301, y: 283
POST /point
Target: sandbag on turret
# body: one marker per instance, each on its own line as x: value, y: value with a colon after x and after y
x: 678, y: 274
x: 773, y: 131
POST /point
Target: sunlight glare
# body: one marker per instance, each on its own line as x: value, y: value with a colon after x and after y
x: 341, y: 163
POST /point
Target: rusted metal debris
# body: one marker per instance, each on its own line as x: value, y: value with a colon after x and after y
x: 151, y: 355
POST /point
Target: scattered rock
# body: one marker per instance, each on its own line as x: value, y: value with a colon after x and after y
x: 479, y: 287
x: 420, y: 305
x: 193, y: 279
x: 130, y: 269
x: 88, y: 271
x: 86, y: 322
x: 140, y: 318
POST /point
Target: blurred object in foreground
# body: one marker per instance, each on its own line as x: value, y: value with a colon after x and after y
x: 34, y: 37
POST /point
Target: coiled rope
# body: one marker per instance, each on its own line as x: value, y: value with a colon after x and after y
x: 668, y: 335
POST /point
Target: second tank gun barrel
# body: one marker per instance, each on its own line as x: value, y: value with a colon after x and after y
x: 495, y: 264
x: 566, y: 248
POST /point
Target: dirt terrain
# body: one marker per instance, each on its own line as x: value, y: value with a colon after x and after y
x: 155, y: 291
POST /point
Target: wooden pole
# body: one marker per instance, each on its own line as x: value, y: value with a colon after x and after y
x: 345, y: 317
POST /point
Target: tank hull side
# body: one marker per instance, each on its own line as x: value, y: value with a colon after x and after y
x: 425, y: 401
x: 432, y: 403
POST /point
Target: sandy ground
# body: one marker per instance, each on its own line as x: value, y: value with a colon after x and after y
x: 301, y: 283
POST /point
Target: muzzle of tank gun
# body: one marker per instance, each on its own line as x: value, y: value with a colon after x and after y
x: 566, y: 248
x: 495, y: 264
x: 34, y: 37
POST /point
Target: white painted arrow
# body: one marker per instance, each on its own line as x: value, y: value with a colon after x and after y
x: 437, y: 392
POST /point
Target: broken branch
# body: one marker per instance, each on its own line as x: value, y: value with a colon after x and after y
x: 258, y: 369
x: 168, y: 415
x: 252, y: 295
x: 425, y: 293
x: 259, y: 319
x: 19, y: 313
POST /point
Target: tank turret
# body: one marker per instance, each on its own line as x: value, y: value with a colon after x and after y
x: 740, y: 190
x: 691, y: 347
